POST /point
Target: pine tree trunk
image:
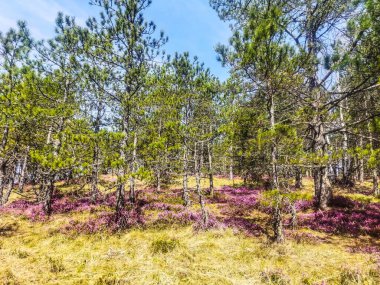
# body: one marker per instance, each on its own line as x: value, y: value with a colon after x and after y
x: 11, y: 181
x: 278, y: 230
x: 96, y: 154
x: 346, y: 177
x: 375, y: 181
x: 132, y: 193
x: 293, y: 221
x: 2, y: 177
x: 375, y: 178
x: 361, y: 163
x: 3, y: 163
x: 186, y: 198
x: 319, y: 143
x: 231, y: 165
x: 198, y: 158
x: 95, y: 173
x: 158, y: 188
x: 210, y: 169
x: 120, y: 197
x: 23, y: 172
x: 120, y: 190
x: 274, y: 173
x: 298, y: 178
x: 49, y: 189
x: 322, y: 187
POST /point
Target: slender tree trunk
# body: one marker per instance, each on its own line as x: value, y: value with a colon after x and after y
x: 186, y: 198
x: 278, y: 230
x: 95, y: 173
x: 120, y: 190
x: 375, y: 181
x: 274, y: 173
x: 3, y: 163
x: 132, y: 194
x: 231, y: 164
x: 2, y: 177
x: 375, y: 177
x: 361, y: 162
x: 293, y: 212
x: 210, y: 169
x: 225, y: 166
x: 159, y: 162
x: 344, y: 146
x: 49, y: 190
x: 96, y: 154
x: 120, y: 197
x: 21, y: 182
x: 322, y: 186
x: 158, y: 188
x: 11, y: 181
x: 198, y: 158
x: 298, y: 178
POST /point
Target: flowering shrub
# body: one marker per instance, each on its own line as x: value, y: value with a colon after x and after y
x: 60, y: 205
x: 304, y: 205
x: 212, y: 223
x: 31, y: 210
x: 344, y: 202
x: 348, y: 221
x: 239, y: 200
x: 244, y: 225
x: 371, y: 249
x: 163, y: 207
x: 184, y: 217
x: 110, y: 222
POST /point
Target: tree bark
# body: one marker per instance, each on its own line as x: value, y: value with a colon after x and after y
x: 210, y: 169
x: 231, y: 164
x: 11, y: 181
x: 186, y: 198
x: 298, y: 178
x: 346, y: 177
x: 375, y: 177
x: 278, y: 230
x: 132, y: 193
x: 2, y: 177
x: 96, y: 154
x: 21, y: 182
x: 361, y: 162
x: 3, y: 162
x: 198, y: 166
x: 95, y: 173
x: 120, y: 190
x: 274, y: 173
x: 49, y: 189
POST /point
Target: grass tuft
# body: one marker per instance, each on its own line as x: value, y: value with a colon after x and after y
x: 56, y: 264
x: 164, y: 245
x: 274, y: 277
x: 8, y: 278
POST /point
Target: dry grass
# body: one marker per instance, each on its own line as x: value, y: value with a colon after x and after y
x: 37, y: 253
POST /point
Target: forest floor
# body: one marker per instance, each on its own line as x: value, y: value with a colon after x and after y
x: 82, y: 242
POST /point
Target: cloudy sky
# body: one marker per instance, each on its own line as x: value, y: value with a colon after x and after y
x: 190, y: 24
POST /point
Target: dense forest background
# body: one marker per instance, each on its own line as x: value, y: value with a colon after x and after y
x: 302, y: 103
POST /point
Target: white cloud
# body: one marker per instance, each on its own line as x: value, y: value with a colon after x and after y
x: 40, y: 15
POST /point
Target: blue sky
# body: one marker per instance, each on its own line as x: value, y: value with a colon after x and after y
x: 190, y: 24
